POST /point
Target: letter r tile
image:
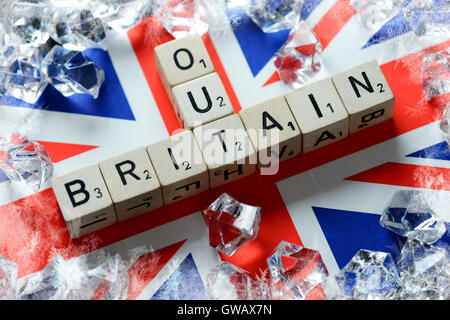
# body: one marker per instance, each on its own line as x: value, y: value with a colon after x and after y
x: 132, y: 183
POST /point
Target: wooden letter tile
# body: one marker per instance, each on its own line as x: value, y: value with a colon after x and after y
x: 201, y: 101
x: 182, y: 60
x: 320, y: 114
x: 180, y: 167
x: 227, y: 150
x: 132, y: 183
x: 273, y: 130
x: 84, y: 201
x: 365, y: 94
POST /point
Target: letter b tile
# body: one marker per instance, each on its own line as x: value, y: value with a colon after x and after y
x: 132, y: 183
x: 84, y: 201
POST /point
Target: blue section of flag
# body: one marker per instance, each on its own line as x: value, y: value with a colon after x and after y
x: 3, y: 177
x: 308, y: 8
x: 183, y: 284
x: 439, y: 151
x: 259, y: 47
x: 348, y: 231
x: 398, y: 25
x: 395, y: 27
x: 111, y: 102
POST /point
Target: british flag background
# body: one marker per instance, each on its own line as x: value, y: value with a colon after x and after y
x: 329, y: 200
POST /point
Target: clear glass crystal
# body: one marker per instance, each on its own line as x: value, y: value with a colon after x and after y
x: 295, y: 271
x: 229, y: 282
x: 20, y: 74
x: 445, y: 123
x: 184, y: 17
x: 113, y: 278
x: 76, y: 280
x: 29, y: 22
x: 71, y: 72
x: 299, y: 60
x: 429, y: 17
x: 369, y: 275
x: 373, y: 14
x: 43, y: 285
x: 409, y: 215
x: 425, y: 272
x: 23, y: 160
x: 8, y: 277
x: 231, y: 224
x: 436, y: 73
x: 120, y: 15
x: 77, y: 29
x: 274, y: 15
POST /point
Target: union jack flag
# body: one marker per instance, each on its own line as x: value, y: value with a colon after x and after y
x: 329, y: 200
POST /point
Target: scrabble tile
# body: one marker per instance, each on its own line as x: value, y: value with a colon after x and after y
x: 132, y: 183
x: 319, y: 113
x: 365, y: 94
x: 273, y: 130
x: 181, y: 60
x: 201, y: 101
x: 84, y: 201
x: 227, y: 150
x: 180, y: 167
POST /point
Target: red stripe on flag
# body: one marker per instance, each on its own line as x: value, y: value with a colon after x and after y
x: 406, y: 175
x: 333, y: 21
x: 58, y: 151
x: 218, y: 67
x: 275, y: 77
x: 144, y: 38
x: 147, y: 267
x: 32, y: 230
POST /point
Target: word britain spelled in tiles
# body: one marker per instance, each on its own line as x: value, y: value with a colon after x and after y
x: 216, y: 145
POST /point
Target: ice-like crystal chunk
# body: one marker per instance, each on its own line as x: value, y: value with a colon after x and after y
x: 274, y: 15
x: 8, y: 278
x: 29, y: 22
x: 373, y: 14
x: 76, y: 280
x: 113, y: 278
x: 428, y: 17
x: 425, y: 272
x: 26, y: 161
x: 77, y: 29
x: 299, y: 59
x: 296, y: 272
x: 184, y: 17
x: 369, y: 275
x: 43, y: 285
x: 445, y: 124
x: 436, y: 73
x: 20, y: 74
x: 229, y: 282
x: 120, y: 15
x: 231, y: 223
x: 409, y: 215
x: 71, y: 72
